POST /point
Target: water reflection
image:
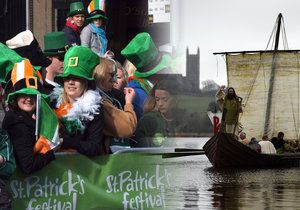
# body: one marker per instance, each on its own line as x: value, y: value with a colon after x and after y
x: 199, y: 186
x: 191, y: 197
x: 255, y: 189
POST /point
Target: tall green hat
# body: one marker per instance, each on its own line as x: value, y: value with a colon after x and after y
x: 55, y: 43
x: 25, y: 80
x: 76, y: 8
x: 8, y: 58
x: 79, y: 62
x: 96, y: 10
x: 144, y: 55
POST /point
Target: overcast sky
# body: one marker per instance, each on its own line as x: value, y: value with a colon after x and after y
x: 232, y: 25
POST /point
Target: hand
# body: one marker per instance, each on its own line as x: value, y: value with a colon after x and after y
x: 56, y: 67
x: 109, y: 54
x: 129, y: 95
x: 57, y: 148
x: 2, y: 160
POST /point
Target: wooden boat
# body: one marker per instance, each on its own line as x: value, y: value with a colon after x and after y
x: 223, y: 151
x: 268, y: 82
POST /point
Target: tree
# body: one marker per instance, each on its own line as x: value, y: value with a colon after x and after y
x: 209, y: 86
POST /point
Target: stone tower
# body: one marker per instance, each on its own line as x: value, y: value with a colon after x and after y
x: 192, y: 71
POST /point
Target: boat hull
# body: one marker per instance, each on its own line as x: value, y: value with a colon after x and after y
x: 224, y: 151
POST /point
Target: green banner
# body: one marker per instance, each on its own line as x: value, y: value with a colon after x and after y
x: 122, y: 181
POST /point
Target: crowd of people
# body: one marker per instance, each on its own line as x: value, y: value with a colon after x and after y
x: 96, y: 101
x: 232, y: 106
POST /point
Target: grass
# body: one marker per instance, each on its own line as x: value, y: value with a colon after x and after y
x: 198, y: 104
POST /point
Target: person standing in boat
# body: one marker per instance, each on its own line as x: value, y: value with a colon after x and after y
x: 231, y: 105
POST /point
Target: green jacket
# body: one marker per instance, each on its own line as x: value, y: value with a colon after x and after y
x: 152, y: 129
x: 6, y: 151
x: 286, y: 148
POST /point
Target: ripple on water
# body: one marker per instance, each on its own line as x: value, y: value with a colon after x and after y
x: 199, y: 186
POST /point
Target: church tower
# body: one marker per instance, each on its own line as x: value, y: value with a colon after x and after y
x: 192, y: 71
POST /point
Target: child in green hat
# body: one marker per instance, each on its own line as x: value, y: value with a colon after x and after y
x: 93, y: 35
x: 77, y: 103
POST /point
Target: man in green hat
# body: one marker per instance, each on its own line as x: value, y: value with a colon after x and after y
x: 144, y: 55
x: 55, y: 48
x: 74, y: 23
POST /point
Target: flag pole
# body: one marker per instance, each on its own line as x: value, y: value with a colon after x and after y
x: 37, y: 115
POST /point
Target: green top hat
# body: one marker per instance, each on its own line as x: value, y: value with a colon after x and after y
x: 143, y: 54
x: 8, y: 58
x: 55, y: 43
x: 96, y: 10
x: 76, y: 8
x: 80, y: 62
x: 97, y: 14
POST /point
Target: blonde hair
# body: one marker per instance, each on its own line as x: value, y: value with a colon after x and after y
x: 101, y: 70
x: 129, y: 67
x: 65, y: 97
x: 124, y: 74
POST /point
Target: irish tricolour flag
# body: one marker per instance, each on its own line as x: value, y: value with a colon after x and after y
x: 96, y: 5
x: 46, y: 126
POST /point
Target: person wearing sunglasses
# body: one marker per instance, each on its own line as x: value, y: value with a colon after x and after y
x: 55, y: 48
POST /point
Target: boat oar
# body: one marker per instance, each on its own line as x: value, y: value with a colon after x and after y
x: 181, y: 152
x: 188, y: 150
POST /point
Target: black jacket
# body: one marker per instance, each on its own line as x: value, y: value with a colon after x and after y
x: 90, y: 142
x: 21, y: 129
x: 117, y: 94
x: 73, y: 38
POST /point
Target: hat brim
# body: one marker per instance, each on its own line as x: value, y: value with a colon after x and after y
x: 71, y: 14
x: 7, y: 80
x: 24, y: 91
x: 163, y: 64
x: 97, y: 17
x: 47, y: 53
x: 60, y: 79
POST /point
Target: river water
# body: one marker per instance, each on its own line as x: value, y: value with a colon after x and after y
x: 199, y: 186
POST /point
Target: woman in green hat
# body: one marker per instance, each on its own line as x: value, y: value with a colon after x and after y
x: 20, y: 120
x: 77, y: 103
x: 93, y: 35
